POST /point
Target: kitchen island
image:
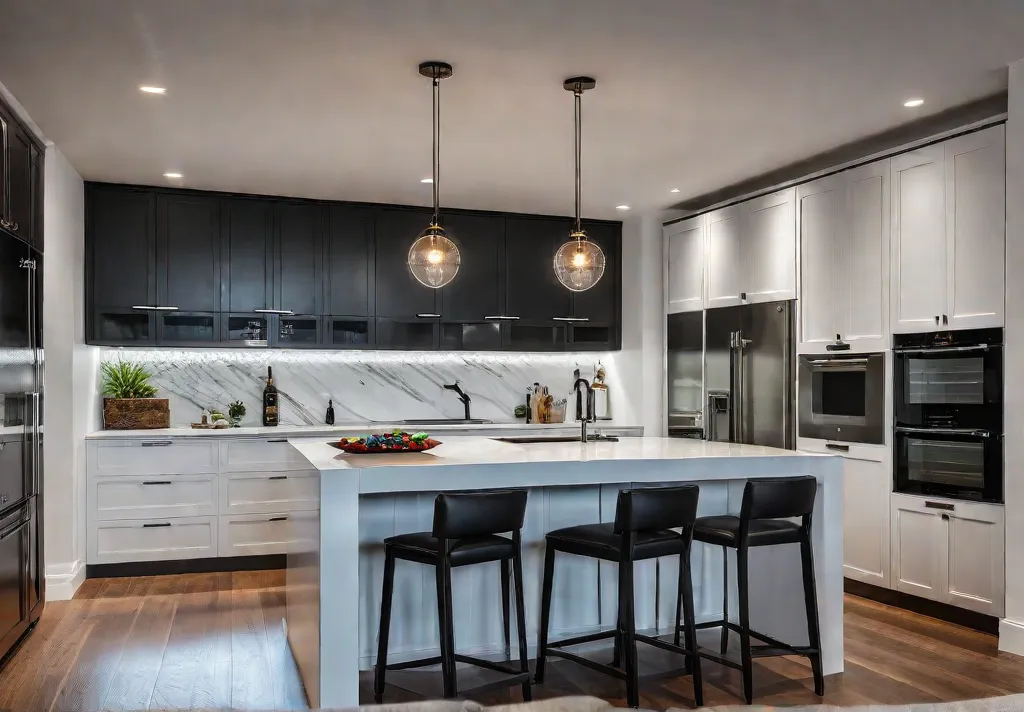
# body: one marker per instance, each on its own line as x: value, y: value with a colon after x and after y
x: 335, y: 559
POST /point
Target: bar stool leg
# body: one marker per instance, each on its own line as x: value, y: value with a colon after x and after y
x: 743, y: 581
x: 724, y: 645
x: 545, y: 612
x: 446, y: 627
x: 385, y: 625
x: 811, y: 605
x: 505, y: 614
x: 628, y: 628
x: 617, y: 649
x: 689, y: 620
x: 524, y: 663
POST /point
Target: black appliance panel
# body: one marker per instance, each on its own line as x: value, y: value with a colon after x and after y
x: 964, y: 464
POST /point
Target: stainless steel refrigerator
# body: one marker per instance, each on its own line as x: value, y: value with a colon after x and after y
x: 21, y: 579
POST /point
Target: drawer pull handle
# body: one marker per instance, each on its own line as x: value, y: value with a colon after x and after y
x: 428, y: 315
x: 152, y: 526
x: 573, y: 319
x: 157, y: 482
x: 278, y: 477
x: 838, y: 447
x: 157, y: 443
x: 278, y: 519
x: 278, y: 440
x: 940, y: 505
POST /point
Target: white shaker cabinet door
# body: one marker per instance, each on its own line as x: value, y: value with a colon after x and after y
x: 865, y: 259
x: 866, y: 488
x: 976, y: 229
x: 685, y: 241
x: 725, y: 257
x: 918, y: 285
x: 918, y: 541
x: 769, y: 247
x: 976, y: 567
x: 820, y: 206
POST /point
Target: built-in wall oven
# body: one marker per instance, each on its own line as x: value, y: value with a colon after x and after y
x: 948, y: 397
x: 842, y: 397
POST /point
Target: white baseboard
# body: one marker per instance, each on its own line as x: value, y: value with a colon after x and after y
x: 62, y: 580
x: 1011, y: 636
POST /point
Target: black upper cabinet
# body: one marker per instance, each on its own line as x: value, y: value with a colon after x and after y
x: 19, y: 169
x: 297, y: 282
x: 475, y: 293
x: 349, y: 260
x: 247, y: 242
x: 122, y: 248
x: 188, y: 253
x: 533, y: 291
x: 38, y: 162
x: 398, y: 294
x: 600, y: 302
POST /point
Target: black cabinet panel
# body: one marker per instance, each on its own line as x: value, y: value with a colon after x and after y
x: 349, y: 260
x: 473, y: 336
x: 188, y: 252
x: 178, y: 329
x: 123, y: 326
x: 299, y: 257
x: 38, y: 161
x: 600, y: 302
x: 349, y: 332
x: 246, y: 249
x: 533, y: 291
x: 407, y: 334
x: 398, y: 294
x: 20, y: 174
x: 543, y: 336
x: 122, y: 246
x: 475, y: 293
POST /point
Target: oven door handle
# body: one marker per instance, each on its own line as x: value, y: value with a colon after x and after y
x: 836, y: 362
x: 946, y: 349
x: 972, y: 432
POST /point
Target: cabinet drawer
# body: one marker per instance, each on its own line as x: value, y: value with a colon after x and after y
x: 158, y: 456
x: 144, y: 497
x: 153, y: 540
x: 265, y: 492
x: 250, y: 534
x: 260, y: 455
x: 856, y: 451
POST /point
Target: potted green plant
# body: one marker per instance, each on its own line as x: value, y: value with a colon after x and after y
x: 236, y: 411
x: 129, y: 402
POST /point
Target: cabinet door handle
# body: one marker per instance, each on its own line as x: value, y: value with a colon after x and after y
x: 571, y: 318
x: 945, y: 516
x: 502, y: 318
x: 282, y: 312
x: 945, y: 320
x: 278, y: 440
x: 278, y: 477
x: 427, y: 315
x: 936, y: 321
x: 278, y: 519
x: 157, y: 482
x: 157, y: 443
x: 940, y: 505
x: 154, y: 526
x: 143, y: 307
x: 837, y: 447
x: 166, y: 308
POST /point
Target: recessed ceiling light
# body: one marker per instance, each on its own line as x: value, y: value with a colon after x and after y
x: 674, y: 190
x: 622, y: 207
x: 173, y: 175
x: 153, y: 90
x: 426, y: 180
x: 911, y: 103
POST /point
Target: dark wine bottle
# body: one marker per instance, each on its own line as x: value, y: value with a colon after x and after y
x: 330, y: 412
x: 270, y: 400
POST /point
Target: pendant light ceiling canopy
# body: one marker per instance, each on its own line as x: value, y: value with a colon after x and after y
x: 579, y: 263
x: 433, y: 258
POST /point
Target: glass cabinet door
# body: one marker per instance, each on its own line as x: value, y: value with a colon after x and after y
x: 297, y: 331
x: 348, y: 332
x: 178, y: 328
x: 246, y: 329
x: 120, y: 326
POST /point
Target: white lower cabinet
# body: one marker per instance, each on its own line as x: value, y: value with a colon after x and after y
x: 252, y: 534
x: 152, y: 540
x: 949, y: 551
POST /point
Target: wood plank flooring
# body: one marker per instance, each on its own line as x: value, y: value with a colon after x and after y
x: 215, y: 640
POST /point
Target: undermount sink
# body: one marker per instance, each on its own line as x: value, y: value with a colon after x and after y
x: 447, y: 421
x: 530, y: 440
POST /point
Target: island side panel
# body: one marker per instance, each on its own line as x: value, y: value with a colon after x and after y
x: 302, y: 598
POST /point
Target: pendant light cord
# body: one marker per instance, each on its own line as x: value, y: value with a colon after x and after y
x: 579, y: 150
x: 437, y: 144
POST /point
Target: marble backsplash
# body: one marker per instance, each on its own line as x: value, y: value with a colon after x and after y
x: 365, y: 385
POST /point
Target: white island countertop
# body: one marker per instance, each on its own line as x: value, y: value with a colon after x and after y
x: 349, y: 429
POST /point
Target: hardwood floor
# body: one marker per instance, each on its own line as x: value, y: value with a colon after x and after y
x: 215, y: 640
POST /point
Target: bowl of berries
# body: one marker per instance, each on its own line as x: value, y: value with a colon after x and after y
x: 395, y: 441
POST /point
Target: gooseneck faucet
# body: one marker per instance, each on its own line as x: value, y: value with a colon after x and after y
x: 585, y: 415
x: 463, y: 396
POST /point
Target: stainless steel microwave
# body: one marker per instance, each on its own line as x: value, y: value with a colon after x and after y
x: 842, y: 397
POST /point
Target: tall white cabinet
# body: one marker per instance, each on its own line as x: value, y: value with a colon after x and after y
x: 844, y: 260
x: 684, y: 247
x: 948, y: 234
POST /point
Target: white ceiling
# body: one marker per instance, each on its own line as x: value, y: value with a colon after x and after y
x: 321, y: 98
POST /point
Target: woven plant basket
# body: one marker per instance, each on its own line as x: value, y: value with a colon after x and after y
x: 136, y: 413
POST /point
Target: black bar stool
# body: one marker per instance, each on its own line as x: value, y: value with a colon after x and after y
x: 767, y: 505
x: 465, y: 531
x: 644, y: 519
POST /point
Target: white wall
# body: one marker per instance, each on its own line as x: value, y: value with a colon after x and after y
x: 1011, y: 629
x: 69, y: 376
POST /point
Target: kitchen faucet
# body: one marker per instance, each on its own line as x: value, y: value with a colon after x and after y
x: 463, y: 396
x: 586, y: 415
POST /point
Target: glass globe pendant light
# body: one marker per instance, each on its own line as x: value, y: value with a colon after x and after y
x: 434, y: 259
x: 579, y: 263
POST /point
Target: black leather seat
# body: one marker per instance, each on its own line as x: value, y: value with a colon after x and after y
x: 466, y: 531
x: 724, y: 530
x: 764, y: 520
x: 643, y: 529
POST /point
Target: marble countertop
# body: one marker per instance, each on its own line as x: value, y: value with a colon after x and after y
x: 361, y: 428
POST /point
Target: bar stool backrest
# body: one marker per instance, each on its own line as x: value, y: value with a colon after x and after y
x: 656, y: 508
x: 779, y: 497
x: 469, y: 514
